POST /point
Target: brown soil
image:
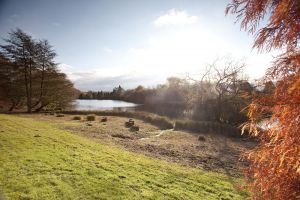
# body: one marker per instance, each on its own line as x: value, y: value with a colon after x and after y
x: 206, y: 151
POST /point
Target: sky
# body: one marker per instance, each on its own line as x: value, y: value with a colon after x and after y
x: 105, y: 43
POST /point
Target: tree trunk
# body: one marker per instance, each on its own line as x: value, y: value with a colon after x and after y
x: 27, y: 90
x: 29, y: 108
x: 40, y: 108
x: 12, y: 106
x: 41, y: 87
x: 28, y: 98
x: 219, y: 107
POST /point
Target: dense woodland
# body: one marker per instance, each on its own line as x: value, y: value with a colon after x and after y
x: 29, y: 77
x: 221, y: 94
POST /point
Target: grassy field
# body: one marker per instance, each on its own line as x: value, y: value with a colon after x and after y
x: 41, y: 161
x: 208, y: 151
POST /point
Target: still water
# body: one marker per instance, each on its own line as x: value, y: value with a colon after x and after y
x: 82, y: 104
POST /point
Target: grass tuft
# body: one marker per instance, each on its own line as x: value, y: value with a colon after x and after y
x: 76, y: 118
x: 91, y: 118
x: 103, y: 119
x: 134, y: 128
x: 159, y: 121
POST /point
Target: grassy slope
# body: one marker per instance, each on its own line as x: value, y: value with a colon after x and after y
x: 60, y: 165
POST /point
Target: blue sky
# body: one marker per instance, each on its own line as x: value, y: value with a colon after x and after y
x: 105, y: 43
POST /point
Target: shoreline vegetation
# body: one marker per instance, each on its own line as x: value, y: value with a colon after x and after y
x: 167, y: 123
x: 162, y: 122
x: 211, y: 99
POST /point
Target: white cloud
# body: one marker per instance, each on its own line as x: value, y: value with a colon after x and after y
x: 186, y: 51
x: 64, y: 67
x: 108, y: 78
x: 183, y: 51
x: 68, y: 70
x: 107, y: 50
x: 175, y: 17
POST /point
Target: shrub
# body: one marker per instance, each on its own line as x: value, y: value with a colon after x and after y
x: 129, y: 124
x: 207, y: 127
x: 76, y: 118
x: 159, y: 121
x: 60, y: 115
x: 135, y: 128
x: 201, y: 138
x: 91, y: 118
x: 104, y: 119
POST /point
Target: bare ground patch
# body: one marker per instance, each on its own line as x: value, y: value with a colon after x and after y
x: 206, y: 151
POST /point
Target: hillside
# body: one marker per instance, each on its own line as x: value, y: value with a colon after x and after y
x: 40, y: 161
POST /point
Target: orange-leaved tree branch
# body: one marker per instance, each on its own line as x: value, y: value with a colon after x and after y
x: 274, y: 171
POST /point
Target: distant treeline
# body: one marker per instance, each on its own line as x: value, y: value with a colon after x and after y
x: 29, y: 77
x: 116, y: 94
x: 221, y: 94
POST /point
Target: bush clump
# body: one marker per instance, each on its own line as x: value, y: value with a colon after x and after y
x: 201, y: 138
x: 161, y: 122
x: 156, y: 120
x: 91, y: 118
x: 207, y: 127
x: 134, y: 128
x: 104, y: 119
x: 76, y: 118
x: 129, y: 124
x: 60, y: 115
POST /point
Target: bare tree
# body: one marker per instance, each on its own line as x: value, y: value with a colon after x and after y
x: 45, y: 63
x: 219, y: 85
x: 226, y: 78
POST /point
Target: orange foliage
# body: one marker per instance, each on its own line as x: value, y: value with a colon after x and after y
x: 274, y: 171
x: 283, y: 27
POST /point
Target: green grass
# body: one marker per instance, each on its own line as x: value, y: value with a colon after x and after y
x: 40, y: 161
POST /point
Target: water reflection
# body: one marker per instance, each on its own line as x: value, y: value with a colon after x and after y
x: 81, y: 104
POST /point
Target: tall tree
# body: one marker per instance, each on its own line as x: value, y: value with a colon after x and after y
x: 58, y: 91
x: 12, y: 92
x: 20, y: 50
x: 29, y: 64
x: 274, y: 171
x: 45, y: 63
x: 225, y: 78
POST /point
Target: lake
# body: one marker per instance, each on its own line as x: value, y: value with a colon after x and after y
x: 83, y: 104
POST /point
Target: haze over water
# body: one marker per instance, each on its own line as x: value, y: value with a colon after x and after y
x: 81, y: 104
